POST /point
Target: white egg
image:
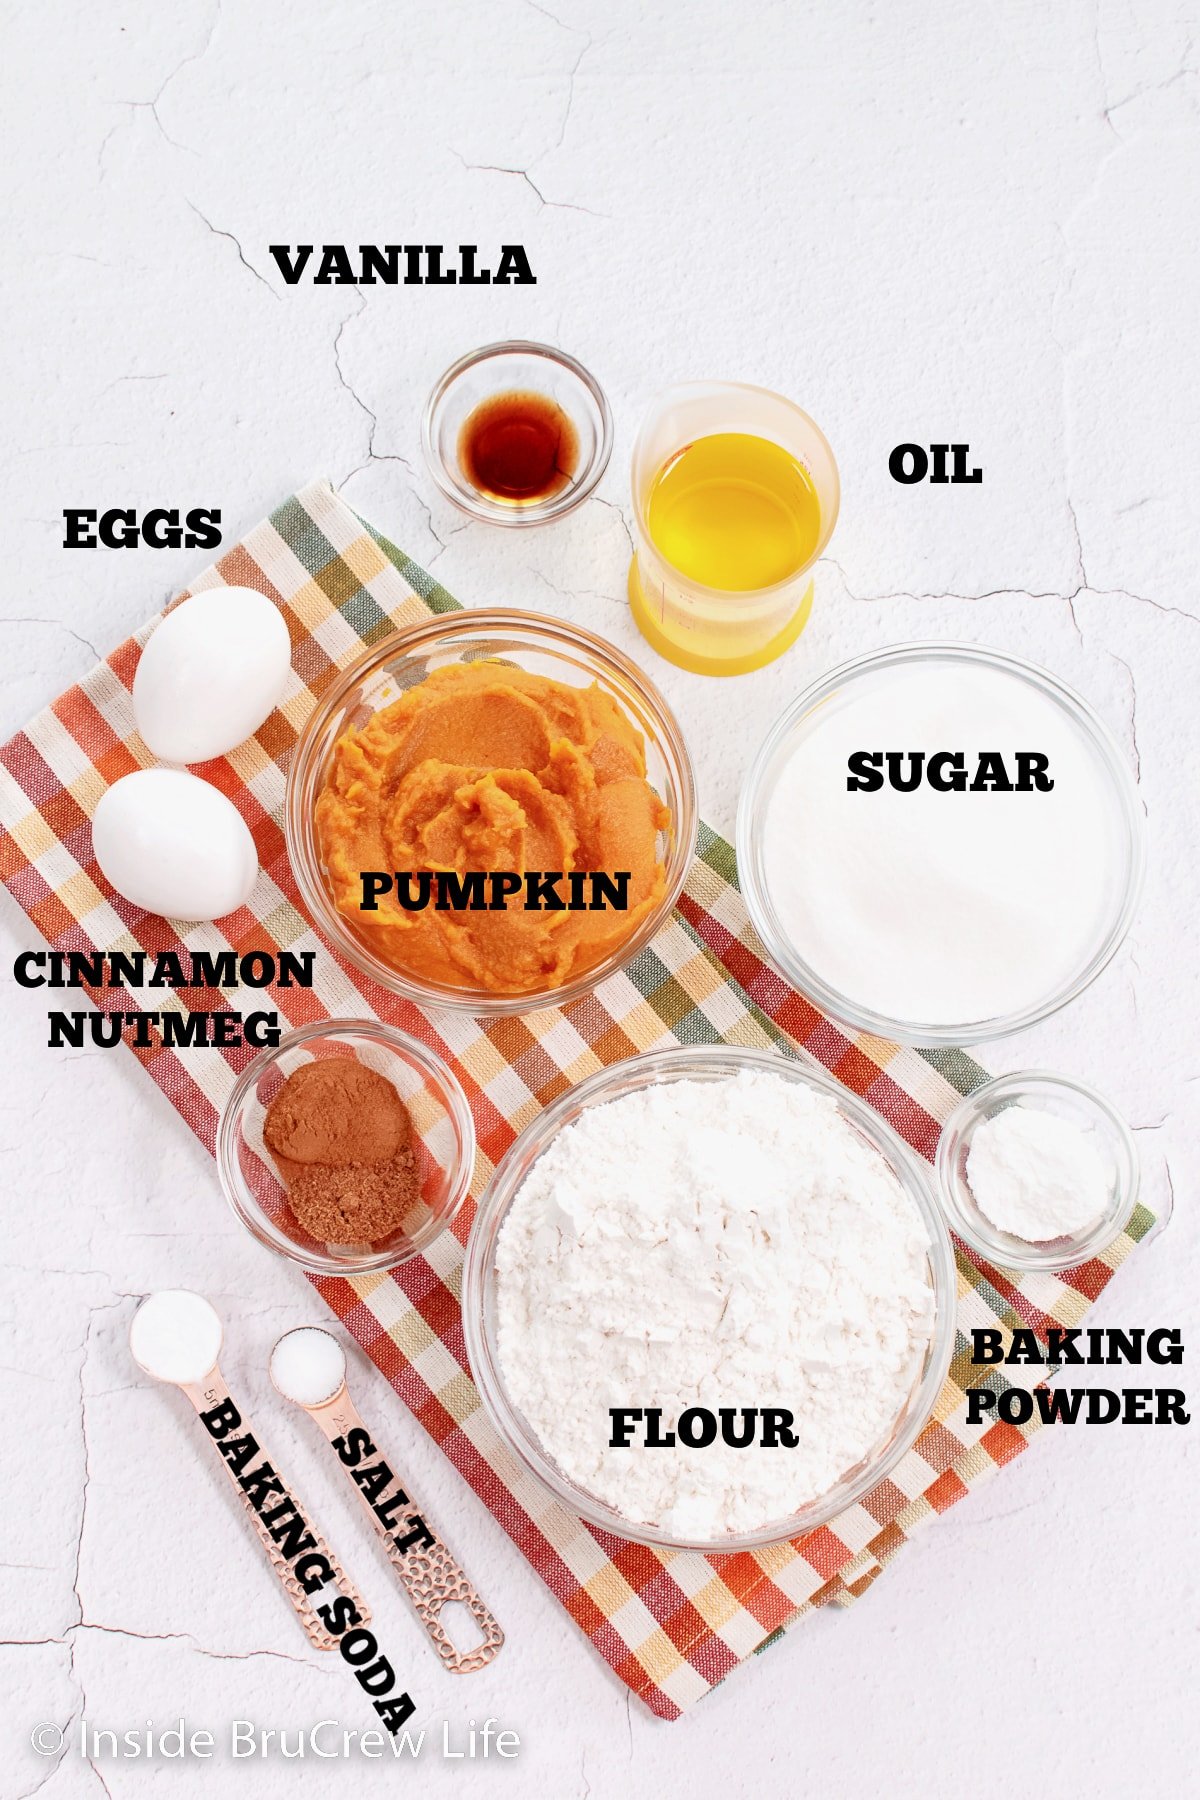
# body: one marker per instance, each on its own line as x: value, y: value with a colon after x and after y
x: 212, y: 671
x: 174, y: 844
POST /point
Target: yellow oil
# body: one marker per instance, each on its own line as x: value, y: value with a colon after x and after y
x: 734, y: 511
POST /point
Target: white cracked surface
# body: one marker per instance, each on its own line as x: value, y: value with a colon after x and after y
x: 951, y: 224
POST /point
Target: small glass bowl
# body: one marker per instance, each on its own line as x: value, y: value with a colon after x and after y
x: 516, y: 367
x: 535, y: 642
x: 443, y: 1144
x: 710, y: 1063
x: 1067, y: 1099
x: 1125, y: 873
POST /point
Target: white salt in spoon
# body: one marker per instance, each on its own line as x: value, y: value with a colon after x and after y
x: 176, y: 1336
x: 308, y: 1366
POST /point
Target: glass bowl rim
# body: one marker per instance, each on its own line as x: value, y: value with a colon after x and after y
x: 1002, y: 1248
x: 300, y: 837
x: 411, y: 1050
x: 495, y: 512
x: 750, y: 817
x: 478, y: 1269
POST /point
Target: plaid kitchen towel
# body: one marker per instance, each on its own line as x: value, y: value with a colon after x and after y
x: 672, y: 1626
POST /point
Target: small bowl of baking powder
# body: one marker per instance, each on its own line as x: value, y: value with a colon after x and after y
x: 1037, y: 1171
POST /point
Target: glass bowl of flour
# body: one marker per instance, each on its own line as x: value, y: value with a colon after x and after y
x: 708, y: 1299
x: 939, y: 844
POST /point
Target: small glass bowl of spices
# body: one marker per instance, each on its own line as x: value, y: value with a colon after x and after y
x: 517, y: 433
x: 347, y: 1147
x: 1037, y: 1171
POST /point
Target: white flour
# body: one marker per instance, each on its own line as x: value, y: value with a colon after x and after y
x: 1036, y: 1175
x: 731, y: 1243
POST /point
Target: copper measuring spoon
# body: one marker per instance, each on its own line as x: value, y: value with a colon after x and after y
x: 428, y: 1573
x: 176, y: 1336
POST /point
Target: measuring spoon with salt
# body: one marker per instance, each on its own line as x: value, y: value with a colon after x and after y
x: 176, y: 1336
x: 308, y: 1366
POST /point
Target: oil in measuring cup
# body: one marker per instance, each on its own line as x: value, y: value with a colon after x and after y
x: 735, y: 494
x: 734, y: 511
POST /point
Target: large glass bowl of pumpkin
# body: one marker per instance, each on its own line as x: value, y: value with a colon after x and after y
x: 490, y: 811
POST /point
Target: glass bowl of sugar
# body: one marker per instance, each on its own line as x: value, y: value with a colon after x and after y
x: 1037, y: 1171
x: 940, y: 844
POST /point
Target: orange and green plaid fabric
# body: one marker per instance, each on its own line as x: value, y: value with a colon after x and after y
x: 671, y: 1626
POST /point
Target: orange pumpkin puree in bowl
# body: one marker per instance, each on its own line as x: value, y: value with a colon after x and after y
x: 486, y: 767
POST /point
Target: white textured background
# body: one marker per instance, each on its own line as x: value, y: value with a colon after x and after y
x: 944, y: 222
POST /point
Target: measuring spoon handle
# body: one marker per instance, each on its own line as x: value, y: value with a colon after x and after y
x: 429, y: 1574
x: 431, y: 1577
x: 213, y: 1392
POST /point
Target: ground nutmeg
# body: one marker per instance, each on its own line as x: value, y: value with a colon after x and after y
x: 341, y: 1138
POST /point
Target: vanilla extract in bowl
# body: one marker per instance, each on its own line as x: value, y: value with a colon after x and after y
x: 518, y: 447
x: 517, y: 433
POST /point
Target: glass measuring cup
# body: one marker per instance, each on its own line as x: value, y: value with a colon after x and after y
x: 713, y: 629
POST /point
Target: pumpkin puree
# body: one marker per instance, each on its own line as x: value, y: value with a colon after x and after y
x: 484, y: 767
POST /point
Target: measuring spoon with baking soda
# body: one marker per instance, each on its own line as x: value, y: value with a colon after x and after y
x: 308, y: 1366
x: 176, y: 1336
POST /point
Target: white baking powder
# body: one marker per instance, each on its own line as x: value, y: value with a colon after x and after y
x: 722, y: 1243
x: 937, y: 907
x: 1037, y: 1175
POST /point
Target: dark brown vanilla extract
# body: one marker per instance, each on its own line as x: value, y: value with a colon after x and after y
x: 518, y: 447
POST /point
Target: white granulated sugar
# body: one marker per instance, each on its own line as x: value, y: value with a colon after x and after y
x: 937, y: 907
x: 722, y: 1243
x: 1036, y: 1175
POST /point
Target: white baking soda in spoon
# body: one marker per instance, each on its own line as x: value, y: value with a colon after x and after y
x: 176, y: 1336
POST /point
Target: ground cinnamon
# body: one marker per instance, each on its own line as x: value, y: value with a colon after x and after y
x: 341, y: 1138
